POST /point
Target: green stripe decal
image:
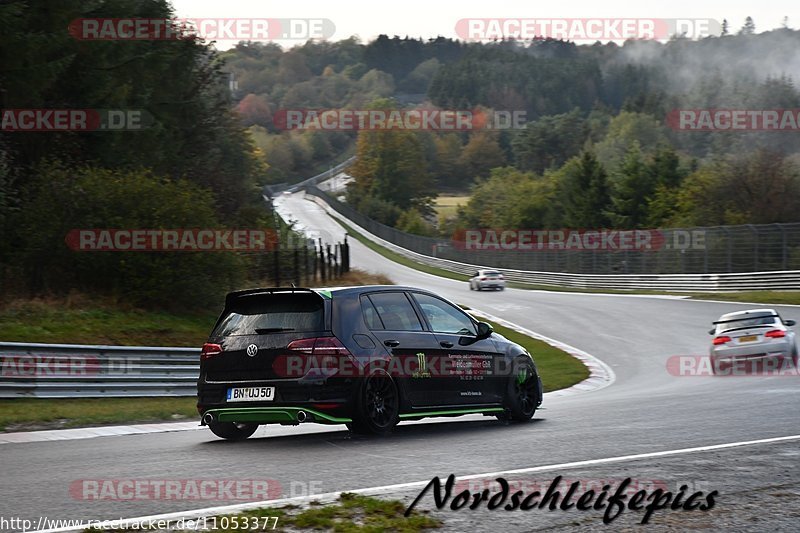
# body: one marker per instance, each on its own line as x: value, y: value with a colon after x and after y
x: 268, y: 415
x: 452, y: 412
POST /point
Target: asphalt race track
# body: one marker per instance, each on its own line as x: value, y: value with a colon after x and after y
x: 645, y: 410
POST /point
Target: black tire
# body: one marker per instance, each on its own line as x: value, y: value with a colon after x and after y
x: 795, y: 358
x: 232, y: 430
x: 471, y: 287
x: 715, y: 366
x: 377, y: 405
x: 522, y: 395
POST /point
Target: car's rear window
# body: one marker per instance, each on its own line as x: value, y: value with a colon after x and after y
x: 748, y: 323
x: 491, y: 273
x: 272, y: 313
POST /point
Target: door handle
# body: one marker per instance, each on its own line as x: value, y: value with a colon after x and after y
x: 391, y: 343
x: 446, y: 344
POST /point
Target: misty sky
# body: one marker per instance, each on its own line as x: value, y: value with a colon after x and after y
x: 429, y: 18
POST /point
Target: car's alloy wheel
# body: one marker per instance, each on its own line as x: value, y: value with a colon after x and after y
x: 232, y: 430
x: 522, y: 396
x: 377, y: 405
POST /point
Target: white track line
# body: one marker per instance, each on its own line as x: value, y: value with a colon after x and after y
x: 386, y: 489
x: 20, y: 437
x: 600, y: 374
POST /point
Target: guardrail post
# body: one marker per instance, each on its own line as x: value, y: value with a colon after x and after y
x: 755, y: 247
x: 322, y: 261
x: 784, y: 251
x: 297, y: 266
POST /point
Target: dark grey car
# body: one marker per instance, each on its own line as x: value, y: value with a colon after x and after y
x: 368, y: 357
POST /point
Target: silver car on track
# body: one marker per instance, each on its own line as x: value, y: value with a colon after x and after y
x: 487, y: 279
x: 752, y: 334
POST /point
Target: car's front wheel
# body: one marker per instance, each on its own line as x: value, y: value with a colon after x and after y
x: 232, y: 430
x: 377, y: 405
x: 522, y: 395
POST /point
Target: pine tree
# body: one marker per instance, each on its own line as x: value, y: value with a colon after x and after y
x: 584, y: 193
x: 633, y: 187
x: 749, y: 27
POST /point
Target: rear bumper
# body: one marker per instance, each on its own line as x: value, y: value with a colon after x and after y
x: 499, y: 284
x: 327, y: 402
x: 757, y: 351
x: 271, y: 415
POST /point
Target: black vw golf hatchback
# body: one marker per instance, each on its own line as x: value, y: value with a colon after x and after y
x: 368, y: 357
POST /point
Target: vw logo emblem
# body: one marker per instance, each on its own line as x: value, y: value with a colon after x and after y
x: 252, y: 350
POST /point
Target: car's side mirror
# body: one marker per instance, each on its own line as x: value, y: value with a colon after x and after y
x: 484, y: 331
x: 711, y: 331
x: 789, y: 322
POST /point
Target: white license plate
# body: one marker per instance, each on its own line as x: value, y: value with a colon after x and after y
x: 251, y: 394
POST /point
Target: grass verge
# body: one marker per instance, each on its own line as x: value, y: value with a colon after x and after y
x: 98, y: 322
x: 447, y: 206
x: 766, y: 297
x: 557, y: 368
x: 79, y: 319
x: 351, y: 513
x: 397, y: 258
x: 27, y: 414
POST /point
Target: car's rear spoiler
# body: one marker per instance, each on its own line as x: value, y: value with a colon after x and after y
x: 235, y: 295
x: 744, y: 317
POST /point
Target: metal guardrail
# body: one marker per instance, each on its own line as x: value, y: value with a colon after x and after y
x: 696, y: 250
x: 718, y: 282
x: 86, y: 371
x: 270, y: 190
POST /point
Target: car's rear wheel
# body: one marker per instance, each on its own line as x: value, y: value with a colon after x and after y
x: 232, y: 430
x: 522, y: 396
x: 377, y: 405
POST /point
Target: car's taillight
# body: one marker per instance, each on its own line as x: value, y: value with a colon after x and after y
x: 319, y: 346
x: 482, y: 278
x: 775, y: 334
x: 721, y: 340
x: 302, y: 345
x: 210, y: 350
